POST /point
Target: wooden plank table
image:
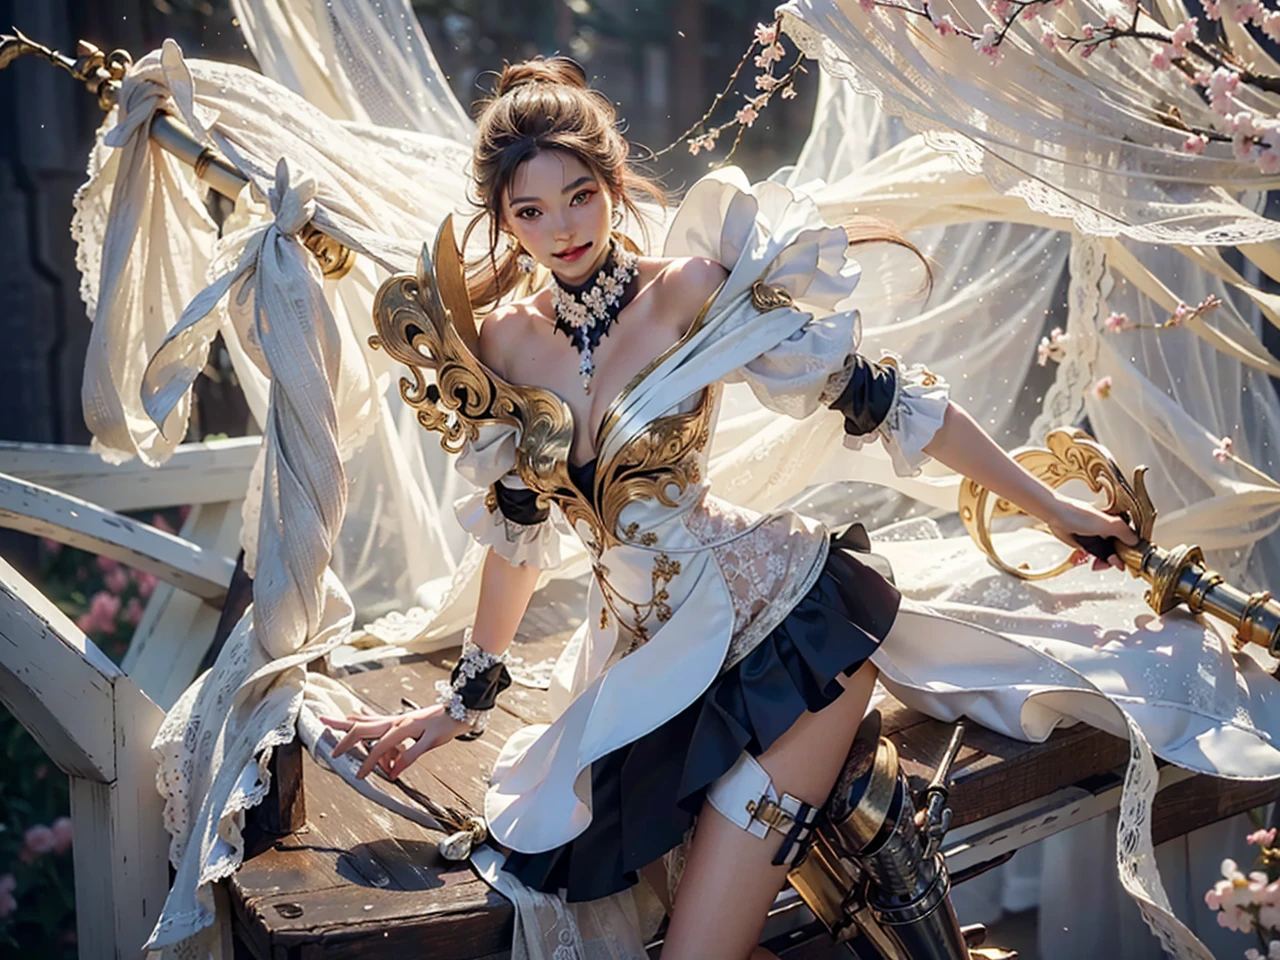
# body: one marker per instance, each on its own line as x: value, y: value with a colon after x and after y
x: 359, y: 881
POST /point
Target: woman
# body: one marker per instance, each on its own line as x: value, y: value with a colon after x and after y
x: 724, y: 658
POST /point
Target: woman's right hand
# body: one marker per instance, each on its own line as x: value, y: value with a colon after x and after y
x: 401, y: 738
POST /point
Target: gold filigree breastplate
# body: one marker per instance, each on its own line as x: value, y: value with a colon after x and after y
x: 425, y: 322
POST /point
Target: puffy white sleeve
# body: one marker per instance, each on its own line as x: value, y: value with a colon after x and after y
x: 902, y: 405
x: 503, y: 513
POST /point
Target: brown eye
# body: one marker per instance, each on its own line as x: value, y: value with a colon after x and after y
x: 581, y: 197
x: 528, y: 213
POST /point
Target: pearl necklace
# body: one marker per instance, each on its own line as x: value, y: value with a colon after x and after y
x: 586, y: 313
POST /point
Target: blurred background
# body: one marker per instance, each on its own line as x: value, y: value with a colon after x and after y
x: 661, y: 61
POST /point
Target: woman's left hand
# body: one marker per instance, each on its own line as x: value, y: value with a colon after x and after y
x: 1072, y: 517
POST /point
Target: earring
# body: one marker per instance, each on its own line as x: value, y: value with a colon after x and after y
x: 525, y: 263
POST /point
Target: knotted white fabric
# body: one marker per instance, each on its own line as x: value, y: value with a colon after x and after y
x: 132, y: 189
x: 215, y: 744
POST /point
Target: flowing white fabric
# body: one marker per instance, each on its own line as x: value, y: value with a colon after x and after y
x: 383, y: 191
x: 1114, y: 169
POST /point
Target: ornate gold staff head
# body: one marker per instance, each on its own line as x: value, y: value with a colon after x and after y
x: 1176, y: 576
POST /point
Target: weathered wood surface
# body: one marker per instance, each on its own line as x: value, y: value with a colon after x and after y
x: 43, y: 512
x: 97, y: 726
x: 215, y: 471
x: 363, y: 882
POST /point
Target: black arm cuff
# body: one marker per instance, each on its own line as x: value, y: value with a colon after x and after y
x: 867, y: 397
x: 481, y: 691
x: 519, y: 506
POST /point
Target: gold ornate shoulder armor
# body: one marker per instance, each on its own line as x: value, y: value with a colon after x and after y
x: 425, y: 321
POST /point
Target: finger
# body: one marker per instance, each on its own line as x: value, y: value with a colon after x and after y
x: 1123, y: 532
x: 1078, y: 557
x: 389, y: 742
x: 403, y: 761
x: 337, y: 723
x: 1116, y: 562
x: 1099, y: 565
x: 361, y: 731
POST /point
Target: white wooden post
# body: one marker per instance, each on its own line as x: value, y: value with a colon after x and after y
x: 97, y: 726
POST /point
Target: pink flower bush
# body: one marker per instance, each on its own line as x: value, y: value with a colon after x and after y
x: 7, y: 902
x: 63, y: 834
x: 747, y: 115
x: 1222, y: 453
x: 147, y: 581
x: 101, y: 615
x: 1116, y: 322
x: 1183, y: 34
x: 117, y: 580
x: 39, y: 839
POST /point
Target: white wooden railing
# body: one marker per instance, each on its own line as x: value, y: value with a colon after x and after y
x: 94, y: 719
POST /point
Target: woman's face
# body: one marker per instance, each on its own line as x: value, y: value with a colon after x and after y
x: 560, y: 213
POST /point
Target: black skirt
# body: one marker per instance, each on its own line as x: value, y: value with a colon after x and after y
x: 645, y: 795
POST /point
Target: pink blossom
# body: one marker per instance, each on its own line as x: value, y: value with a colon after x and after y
x: 1222, y: 453
x: 766, y: 34
x: 132, y: 612
x: 1049, y: 38
x: 147, y: 581
x: 946, y: 26
x: 1271, y: 25
x: 1002, y: 8
x: 1219, y: 894
x: 63, y: 834
x: 1212, y: 10
x: 1269, y: 161
x: 53, y: 548
x: 38, y: 839
x: 1102, y: 388
x: 106, y: 564
x: 1113, y: 22
x: 1088, y: 31
x: 7, y: 902
x: 1183, y: 34
x: 1195, y: 143
x: 1162, y: 59
x: 1222, y: 83
x: 116, y: 580
x: 747, y: 115
x: 1029, y: 13
x: 767, y: 81
x: 867, y: 5
x: 1086, y: 52
x: 1116, y: 322
x: 1241, y: 146
x: 789, y: 92
x: 1236, y: 918
x: 160, y: 523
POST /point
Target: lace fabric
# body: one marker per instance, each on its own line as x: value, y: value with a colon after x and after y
x: 768, y: 566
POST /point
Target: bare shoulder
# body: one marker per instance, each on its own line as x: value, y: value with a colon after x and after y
x: 688, y: 282
x: 503, y: 331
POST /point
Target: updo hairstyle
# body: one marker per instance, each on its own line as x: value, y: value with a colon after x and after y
x: 542, y: 104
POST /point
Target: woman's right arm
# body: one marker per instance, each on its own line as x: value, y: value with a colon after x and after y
x: 505, y: 591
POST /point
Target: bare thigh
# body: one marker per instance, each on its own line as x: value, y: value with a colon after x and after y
x: 729, y: 881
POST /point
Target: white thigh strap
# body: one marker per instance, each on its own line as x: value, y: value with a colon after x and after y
x: 746, y: 797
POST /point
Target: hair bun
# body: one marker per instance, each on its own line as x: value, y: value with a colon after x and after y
x: 553, y: 70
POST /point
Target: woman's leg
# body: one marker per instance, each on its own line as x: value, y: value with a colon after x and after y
x: 729, y: 881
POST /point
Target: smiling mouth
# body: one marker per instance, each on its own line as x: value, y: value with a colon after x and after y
x: 570, y: 254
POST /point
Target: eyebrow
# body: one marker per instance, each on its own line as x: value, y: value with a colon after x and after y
x: 581, y: 181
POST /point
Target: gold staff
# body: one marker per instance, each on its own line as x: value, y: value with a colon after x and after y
x: 1176, y: 576
x: 103, y: 73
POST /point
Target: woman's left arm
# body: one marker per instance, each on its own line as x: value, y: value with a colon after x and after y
x: 966, y: 448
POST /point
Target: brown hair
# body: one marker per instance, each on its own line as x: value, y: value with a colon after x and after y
x: 542, y: 104
x: 546, y: 104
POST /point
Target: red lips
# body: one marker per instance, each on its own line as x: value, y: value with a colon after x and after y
x: 570, y: 254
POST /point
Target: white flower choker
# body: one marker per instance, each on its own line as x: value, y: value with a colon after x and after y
x: 584, y: 314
